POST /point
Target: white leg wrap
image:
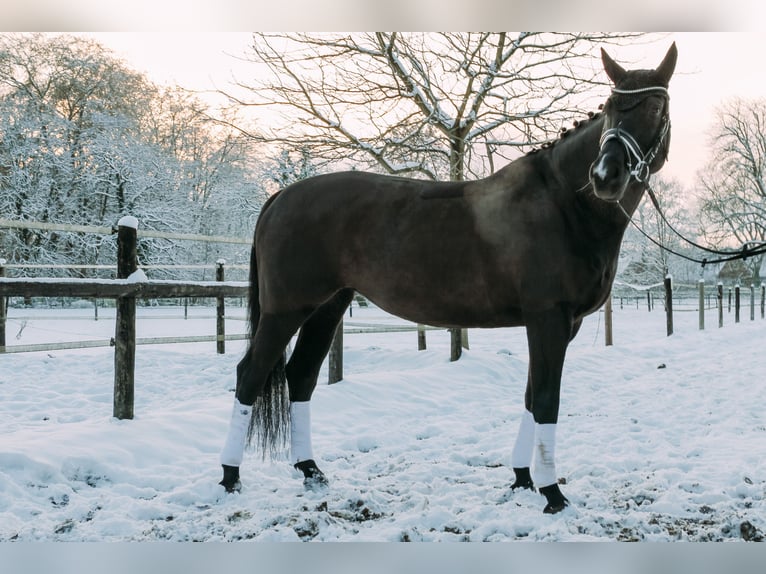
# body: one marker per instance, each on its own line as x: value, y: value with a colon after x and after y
x: 234, y: 449
x: 521, y: 457
x: 300, y: 432
x: 544, y: 471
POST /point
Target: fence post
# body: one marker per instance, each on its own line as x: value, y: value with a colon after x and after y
x: 763, y: 300
x: 456, y: 346
x: 649, y: 300
x: 729, y: 308
x: 702, y: 304
x: 608, y: 340
x: 669, y: 303
x: 736, y: 303
x: 720, y: 305
x: 421, y: 337
x: 335, y: 367
x: 220, y: 312
x: 125, y: 328
x: 752, y: 302
x: 3, y: 311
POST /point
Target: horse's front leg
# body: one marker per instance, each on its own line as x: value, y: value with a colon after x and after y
x: 548, y: 335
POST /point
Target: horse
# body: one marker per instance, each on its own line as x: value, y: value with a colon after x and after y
x: 534, y: 244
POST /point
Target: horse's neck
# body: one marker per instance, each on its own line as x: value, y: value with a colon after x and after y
x: 572, y: 157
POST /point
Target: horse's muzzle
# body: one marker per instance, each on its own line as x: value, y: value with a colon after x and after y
x: 609, y: 177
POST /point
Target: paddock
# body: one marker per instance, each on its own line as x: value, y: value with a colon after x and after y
x: 670, y: 451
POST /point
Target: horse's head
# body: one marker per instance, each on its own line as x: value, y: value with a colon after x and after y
x: 636, y: 133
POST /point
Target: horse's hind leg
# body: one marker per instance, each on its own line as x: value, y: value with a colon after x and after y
x: 272, y: 335
x: 302, y: 371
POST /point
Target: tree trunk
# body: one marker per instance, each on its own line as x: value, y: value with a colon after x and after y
x: 458, y: 337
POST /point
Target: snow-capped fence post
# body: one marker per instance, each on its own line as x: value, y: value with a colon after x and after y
x: 335, y: 367
x: 736, y: 303
x: 701, y: 285
x: 720, y: 305
x: 608, y: 340
x: 3, y: 310
x: 125, y: 328
x: 220, y: 311
x: 669, y: 303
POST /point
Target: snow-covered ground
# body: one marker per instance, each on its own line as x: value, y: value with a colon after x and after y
x: 659, y: 438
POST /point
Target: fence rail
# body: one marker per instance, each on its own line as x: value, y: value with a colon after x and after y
x: 100, y: 230
x: 119, y: 288
x: 93, y: 344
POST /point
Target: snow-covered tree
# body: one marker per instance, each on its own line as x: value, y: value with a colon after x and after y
x: 433, y: 105
x: 646, y: 261
x: 290, y: 166
x: 85, y: 140
x: 733, y: 184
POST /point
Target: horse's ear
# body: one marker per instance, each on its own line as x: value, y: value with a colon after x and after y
x: 612, y: 68
x: 668, y: 65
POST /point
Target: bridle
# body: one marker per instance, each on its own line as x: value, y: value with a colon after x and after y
x: 641, y: 173
x: 633, y: 151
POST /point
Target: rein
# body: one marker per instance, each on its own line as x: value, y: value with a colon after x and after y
x: 748, y: 249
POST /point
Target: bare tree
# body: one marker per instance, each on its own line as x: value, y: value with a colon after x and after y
x: 733, y: 199
x: 434, y: 105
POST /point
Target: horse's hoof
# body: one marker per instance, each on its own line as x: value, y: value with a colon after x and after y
x: 523, y: 479
x: 556, y: 501
x: 312, y: 476
x: 231, y: 479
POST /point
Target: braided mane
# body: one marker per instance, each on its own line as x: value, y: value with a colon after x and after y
x: 564, y: 132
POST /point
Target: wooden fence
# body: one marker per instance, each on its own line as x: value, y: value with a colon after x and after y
x: 130, y: 285
x: 734, y: 293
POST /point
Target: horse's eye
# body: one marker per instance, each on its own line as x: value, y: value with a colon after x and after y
x: 655, y: 109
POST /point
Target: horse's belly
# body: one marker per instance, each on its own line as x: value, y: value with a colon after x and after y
x: 439, y: 308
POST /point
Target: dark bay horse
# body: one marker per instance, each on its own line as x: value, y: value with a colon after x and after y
x: 535, y: 244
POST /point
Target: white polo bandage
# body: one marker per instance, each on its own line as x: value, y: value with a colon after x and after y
x: 300, y: 432
x: 521, y: 457
x: 234, y: 448
x: 544, y: 469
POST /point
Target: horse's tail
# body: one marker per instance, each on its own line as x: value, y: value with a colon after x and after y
x: 269, y: 428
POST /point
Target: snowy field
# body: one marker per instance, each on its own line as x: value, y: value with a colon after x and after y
x: 659, y: 439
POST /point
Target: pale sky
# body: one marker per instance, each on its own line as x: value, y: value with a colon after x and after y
x: 712, y: 66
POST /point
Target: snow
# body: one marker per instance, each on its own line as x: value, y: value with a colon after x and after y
x: 138, y: 276
x: 659, y: 438
x: 128, y: 221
